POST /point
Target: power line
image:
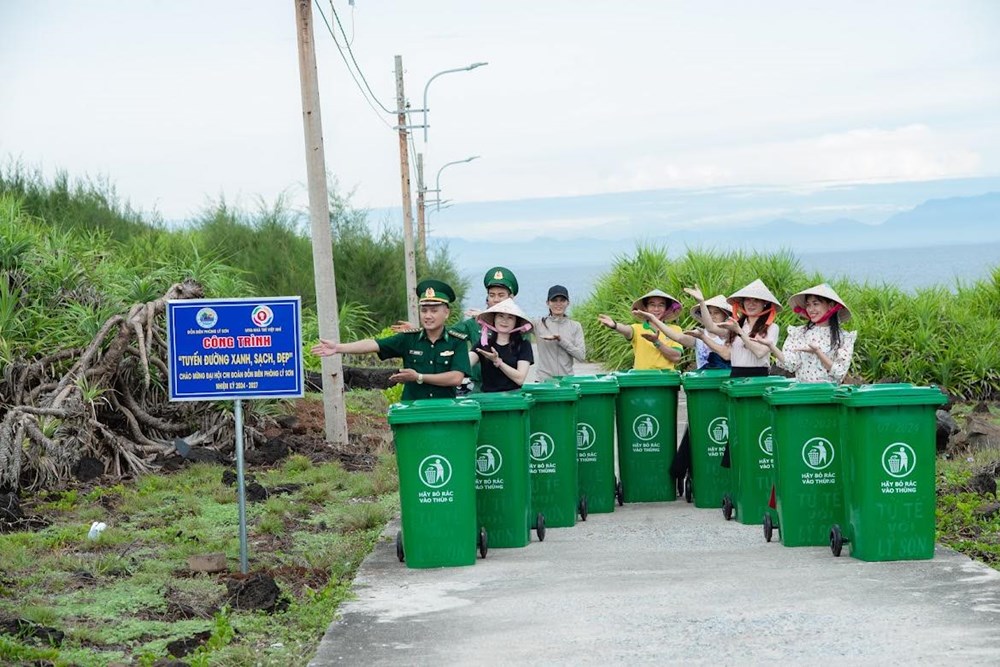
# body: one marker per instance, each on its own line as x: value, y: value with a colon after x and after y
x: 378, y: 114
x: 351, y: 53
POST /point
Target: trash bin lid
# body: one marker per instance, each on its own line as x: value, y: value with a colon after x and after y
x: 801, y: 393
x: 869, y: 395
x: 592, y: 384
x: 433, y: 410
x: 544, y: 392
x: 753, y: 386
x: 648, y: 378
x: 709, y: 378
x: 502, y: 401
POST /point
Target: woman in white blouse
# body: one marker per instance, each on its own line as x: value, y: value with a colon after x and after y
x: 748, y: 336
x: 819, y: 351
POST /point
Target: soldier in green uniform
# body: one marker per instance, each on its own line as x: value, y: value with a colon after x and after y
x: 435, y: 359
x: 500, y: 284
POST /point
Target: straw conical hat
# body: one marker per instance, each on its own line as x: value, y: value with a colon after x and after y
x: 823, y: 290
x: 637, y: 304
x: 719, y: 301
x: 506, y: 306
x: 755, y: 290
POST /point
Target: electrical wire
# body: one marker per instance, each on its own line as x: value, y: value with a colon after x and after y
x: 350, y: 71
x: 351, y: 53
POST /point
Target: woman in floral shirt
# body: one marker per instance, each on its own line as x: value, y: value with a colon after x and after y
x: 819, y: 351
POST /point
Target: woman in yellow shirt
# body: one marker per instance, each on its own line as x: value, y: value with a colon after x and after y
x: 652, y: 349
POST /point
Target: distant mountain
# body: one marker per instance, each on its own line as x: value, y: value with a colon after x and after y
x: 946, y: 221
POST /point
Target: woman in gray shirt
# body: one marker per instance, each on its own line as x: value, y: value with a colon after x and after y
x: 560, y: 339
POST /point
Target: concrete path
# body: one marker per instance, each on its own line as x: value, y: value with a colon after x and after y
x: 666, y: 583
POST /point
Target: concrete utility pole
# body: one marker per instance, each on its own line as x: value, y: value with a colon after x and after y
x: 421, y: 202
x: 319, y: 216
x: 404, y: 174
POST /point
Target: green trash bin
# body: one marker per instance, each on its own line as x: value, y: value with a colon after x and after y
x: 435, y: 441
x: 751, y: 447
x: 555, y: 490
x: 647, y: 434
x: 503, y: 485
x: 595, y: 440
x: 708, y: 421
x: 889, y: 433
x: 805, y: 423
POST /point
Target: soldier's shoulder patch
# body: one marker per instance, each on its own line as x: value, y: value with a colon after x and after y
x: 458, y: 334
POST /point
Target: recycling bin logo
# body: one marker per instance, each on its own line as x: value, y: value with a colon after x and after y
x: 766, y: 442
x: 541, y: 446
x: 818, y: 453
x: 899, y: 460
x: 488, y: 460
x: 718, y: 430
x: 434, y: 471
x: 645, y: 427
x: 585, y: 436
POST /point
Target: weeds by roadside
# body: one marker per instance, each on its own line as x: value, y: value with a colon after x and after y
x: 129, y: 596
x: 968, y: 509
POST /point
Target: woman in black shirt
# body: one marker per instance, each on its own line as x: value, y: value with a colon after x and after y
x: 505, y: 354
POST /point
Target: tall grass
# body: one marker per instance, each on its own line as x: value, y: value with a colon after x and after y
x: 87, y: 231
x: 933, y: 336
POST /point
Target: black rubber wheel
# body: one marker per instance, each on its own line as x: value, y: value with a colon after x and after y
x: 583, y: 508
x: 688, y: 488
x: 540, y: 527
x: 836, y: 540
x: 399, y: 546
x: 484, y: 544
x: 619, y: 493
x: 727, y: 507
x: 768, y: 527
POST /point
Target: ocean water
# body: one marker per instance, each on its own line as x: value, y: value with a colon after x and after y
x: 906, y: 268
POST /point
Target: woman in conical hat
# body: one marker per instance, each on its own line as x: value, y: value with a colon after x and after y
x: 716, y: 310
x: 652, y: 349
x: 502, y: 350
x: 819, y: 351
x: 749, y: 332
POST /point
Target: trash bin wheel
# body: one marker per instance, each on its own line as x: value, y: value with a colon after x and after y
x: 540, y: 527
x: 836, y: 540
x: 768, y: 527
x: 484, y: 544
x: 619, y: 493
x: 399, y: 546
x: 583, y: 508
x: 727, y: 507
x: 688, y: 488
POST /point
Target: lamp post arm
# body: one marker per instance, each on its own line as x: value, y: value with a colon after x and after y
x: 428, y: 85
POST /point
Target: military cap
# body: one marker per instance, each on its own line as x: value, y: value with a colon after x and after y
x: 435, y: 291
x: 501, y: 276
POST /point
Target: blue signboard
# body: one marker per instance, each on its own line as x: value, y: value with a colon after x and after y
x: 234, y: 348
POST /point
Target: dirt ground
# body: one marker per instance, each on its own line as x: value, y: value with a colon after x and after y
x: 304, y: 433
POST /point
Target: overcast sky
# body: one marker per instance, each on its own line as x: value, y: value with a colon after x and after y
x: 180, y: 102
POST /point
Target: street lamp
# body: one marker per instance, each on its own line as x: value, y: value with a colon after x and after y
x: 437, y: 179
x: 447, y: 71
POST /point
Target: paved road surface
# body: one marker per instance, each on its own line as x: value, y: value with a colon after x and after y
x: 666, y: 583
